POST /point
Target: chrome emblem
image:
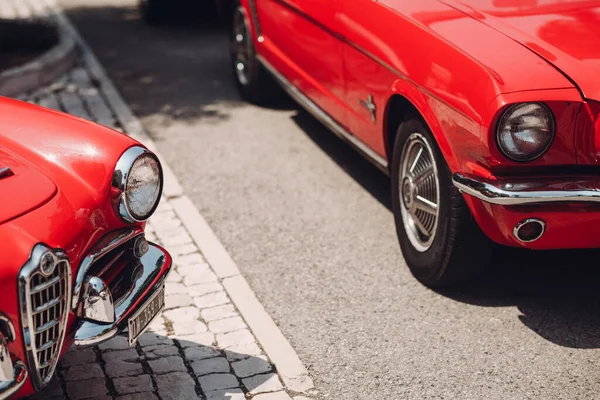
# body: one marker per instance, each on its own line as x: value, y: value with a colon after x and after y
x: 4, y: 172
x: 47, y: 264
x: 370, y: 106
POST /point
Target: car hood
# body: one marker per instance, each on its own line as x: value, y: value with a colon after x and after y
x: 22, y: 186
x: 566, y: 33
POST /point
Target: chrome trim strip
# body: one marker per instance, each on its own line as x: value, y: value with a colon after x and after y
x: 45, y: 285
x: 7, y: 325
x: 9, y: 388
x: 322, y: 116
x: 104, y: 246
x: 156, y: 259
x: 511, y: 194
x: 32, y: 267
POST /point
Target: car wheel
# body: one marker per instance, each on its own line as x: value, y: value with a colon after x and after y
x: 440, y: 241
x: 156, y: 11
x: 253, y: 81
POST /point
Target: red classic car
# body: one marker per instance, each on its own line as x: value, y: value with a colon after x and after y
x: 483, y: 112
x: 75, y: 265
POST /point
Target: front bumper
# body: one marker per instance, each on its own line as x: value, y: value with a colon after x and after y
x: 10, y: 387
x: 513, y: 193
x: 569, y: 208
x: 155, y: 266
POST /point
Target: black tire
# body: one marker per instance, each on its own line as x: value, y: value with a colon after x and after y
x: 256, y: 85
x: 156, y: 11
x: 458, y: 250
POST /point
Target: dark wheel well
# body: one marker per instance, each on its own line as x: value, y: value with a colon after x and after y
x: 398, y: 110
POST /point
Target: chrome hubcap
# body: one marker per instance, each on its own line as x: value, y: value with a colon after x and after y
x: 241, y: 46
x: 419, y: 191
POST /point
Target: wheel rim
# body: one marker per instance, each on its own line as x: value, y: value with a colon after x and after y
x: 419, y: 192
x: 241, y: 46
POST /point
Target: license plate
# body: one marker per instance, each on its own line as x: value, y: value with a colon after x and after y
x: 138, y: 322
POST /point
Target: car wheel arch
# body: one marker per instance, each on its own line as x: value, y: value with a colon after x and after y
x: 406, y: 100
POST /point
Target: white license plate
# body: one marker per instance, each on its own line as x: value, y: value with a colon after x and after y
x: 138, y: 322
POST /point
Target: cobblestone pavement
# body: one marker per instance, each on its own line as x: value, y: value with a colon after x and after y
x: 200, y: 347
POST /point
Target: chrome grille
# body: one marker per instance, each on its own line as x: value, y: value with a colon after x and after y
x: 44, y: 311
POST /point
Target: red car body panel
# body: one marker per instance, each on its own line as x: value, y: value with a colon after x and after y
x: 460, y: 64
x: 59, y: 196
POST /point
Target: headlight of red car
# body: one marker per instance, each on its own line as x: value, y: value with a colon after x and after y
x: 525, y: 131
x: 138, y: 182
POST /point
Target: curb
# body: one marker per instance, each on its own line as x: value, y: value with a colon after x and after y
x: 276, y: 346
x: 43, y: 70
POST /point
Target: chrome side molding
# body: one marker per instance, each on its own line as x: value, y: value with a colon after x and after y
x: 324, y: 118
x: 519, y: 193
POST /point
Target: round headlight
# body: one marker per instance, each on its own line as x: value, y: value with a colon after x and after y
x: 525, y: 131
x: 138, y: 182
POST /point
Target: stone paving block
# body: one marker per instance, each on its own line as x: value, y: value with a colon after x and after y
x: 234, y: 338
x: 174, y: 276
x: 75, y: 356
x: 218, y: 312
x: 54, y: 389
x: 228, y: 394
x: 262, y: 383
x: 301, y: 398
x: 227, y: 325
x: 167, y: 364
x: 251, y: 366
x: 189, y: 327
x: 133, y: 384
x: 172, y: 288
x: 217, y: 382
x: 179, y: 250
x: 178, y: 300
x: 179, y: 239
x: 242, y: 351
x: 204, y: 276
x: 183, y: 314
x: 211, y: 366
x: 82, y: 372
x: 122, y: 363
x: 203, y: 339
x: 272, y: 396
x: 121, y: 355
x: 139, y: 396
x: 176, y: 386
x: 211, y: 300
x: 196, y: 353
x: 193, y: 260
x: 152, y: 339
x: 204, y: 288
x: 86, y: 389
x: 116, y: 343
x: 152, y: 352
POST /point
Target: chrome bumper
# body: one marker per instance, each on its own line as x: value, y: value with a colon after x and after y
x: 156, y: 264
x: 10, y: 387
x: 519, y: 193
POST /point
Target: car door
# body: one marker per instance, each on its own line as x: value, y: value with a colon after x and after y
x: 299, y: 40
x: 366, y: 81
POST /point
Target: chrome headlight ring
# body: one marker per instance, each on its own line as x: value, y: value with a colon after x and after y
x: 132, y: 161
x: 525, y: 131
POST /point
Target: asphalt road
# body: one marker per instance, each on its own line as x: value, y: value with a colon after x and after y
x: 308, y: 222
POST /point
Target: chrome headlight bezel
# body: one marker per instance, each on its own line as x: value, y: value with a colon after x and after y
x: 120, y: 179
x: 504, y: 119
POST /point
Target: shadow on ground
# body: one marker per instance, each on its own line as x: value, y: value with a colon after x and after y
x: 557, y: 292
x: 206, y: 371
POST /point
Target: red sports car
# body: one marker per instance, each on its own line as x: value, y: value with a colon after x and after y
x: 75, y: 266
x: 483, y: 112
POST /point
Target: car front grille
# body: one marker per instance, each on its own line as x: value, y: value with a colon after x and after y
x: 44, y: 311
